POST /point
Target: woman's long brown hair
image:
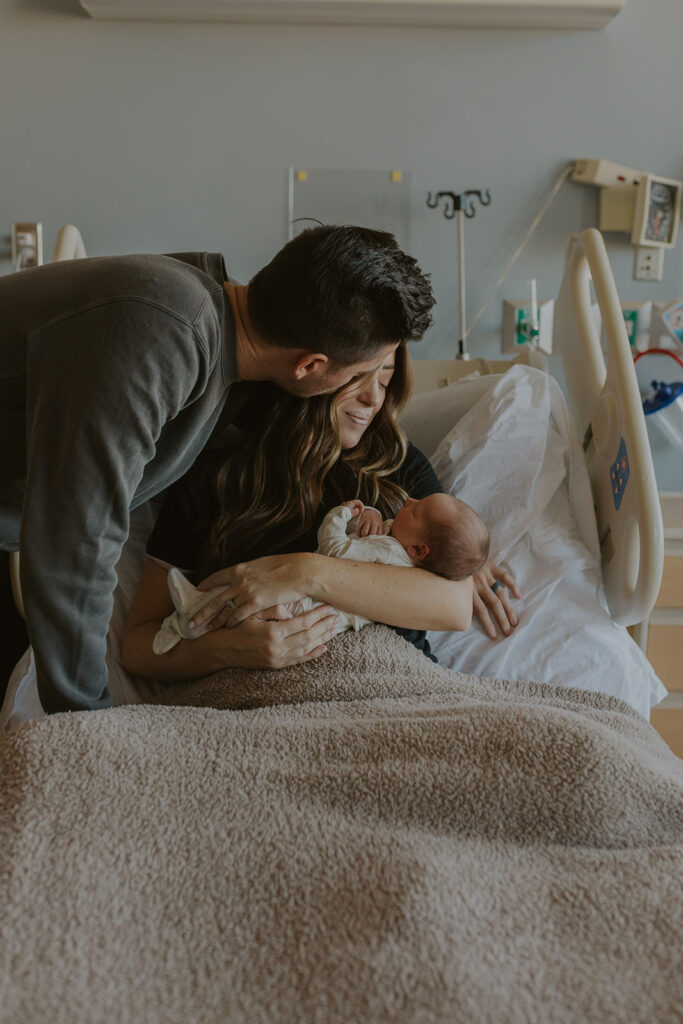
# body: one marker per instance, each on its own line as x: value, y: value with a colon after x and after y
x: 290, y: 462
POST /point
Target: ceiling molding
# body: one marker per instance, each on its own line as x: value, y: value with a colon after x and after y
x: 549, y: 14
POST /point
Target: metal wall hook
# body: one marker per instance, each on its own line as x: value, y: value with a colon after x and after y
x: 484, y: 197
x: 457, y: 202
x: 450, y: 205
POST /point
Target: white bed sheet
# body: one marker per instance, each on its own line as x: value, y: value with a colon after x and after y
x: 505, y: 444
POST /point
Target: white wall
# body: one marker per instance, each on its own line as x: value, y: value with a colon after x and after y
x: 159, y: 137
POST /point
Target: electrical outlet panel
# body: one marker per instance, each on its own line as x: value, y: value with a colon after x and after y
x: 649, y: 264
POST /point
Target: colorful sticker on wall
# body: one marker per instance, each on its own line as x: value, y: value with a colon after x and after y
x: 673, y: 318
x: 619, y: 473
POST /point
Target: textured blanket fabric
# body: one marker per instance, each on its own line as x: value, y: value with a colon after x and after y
x: 386, y: 842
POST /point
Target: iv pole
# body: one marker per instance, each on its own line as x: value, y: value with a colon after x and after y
x: 461, y: 205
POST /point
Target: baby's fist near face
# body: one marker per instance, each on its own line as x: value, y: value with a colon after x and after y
x: 369, y: 523
x: 355, y: 505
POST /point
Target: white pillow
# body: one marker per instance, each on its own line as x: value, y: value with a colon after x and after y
x: 429, y: 416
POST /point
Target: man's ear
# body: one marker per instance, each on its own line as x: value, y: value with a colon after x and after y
x: 418, y: 551
x: 311, y: 364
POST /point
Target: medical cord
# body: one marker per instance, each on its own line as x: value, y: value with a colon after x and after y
x: 522, y: 246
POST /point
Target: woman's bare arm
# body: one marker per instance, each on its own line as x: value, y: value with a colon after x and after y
x: 396, y: 595
x: 254, y: 643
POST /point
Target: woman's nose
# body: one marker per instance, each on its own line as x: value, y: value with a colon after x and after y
x: 371, y: 393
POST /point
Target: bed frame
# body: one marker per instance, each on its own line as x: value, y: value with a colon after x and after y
x: 607, y: 410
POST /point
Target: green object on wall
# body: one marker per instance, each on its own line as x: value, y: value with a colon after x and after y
x: 631, y: 321
x: 521, y: 328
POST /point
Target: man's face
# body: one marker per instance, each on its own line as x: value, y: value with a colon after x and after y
x: 323, y: 381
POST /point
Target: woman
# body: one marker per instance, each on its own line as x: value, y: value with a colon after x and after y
x: 257, y: 510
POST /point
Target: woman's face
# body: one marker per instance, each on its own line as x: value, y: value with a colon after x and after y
x: 360, y: 402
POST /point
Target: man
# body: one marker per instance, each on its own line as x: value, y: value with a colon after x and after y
x: 113, y: 374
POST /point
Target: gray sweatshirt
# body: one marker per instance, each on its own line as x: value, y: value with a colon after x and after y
x: 113, y: 373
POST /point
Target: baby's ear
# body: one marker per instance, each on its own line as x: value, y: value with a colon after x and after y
x: 418, y: 551
x: 183, y: 593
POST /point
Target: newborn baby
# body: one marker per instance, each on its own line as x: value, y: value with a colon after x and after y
x: 439, y: 533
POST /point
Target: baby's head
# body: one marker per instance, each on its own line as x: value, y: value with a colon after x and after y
x: 442, y: 534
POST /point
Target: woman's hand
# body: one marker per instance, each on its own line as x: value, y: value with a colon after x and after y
x: 492, y: 588
x: 275, y: 643
x: 252, y: 587
x: 271, y: 639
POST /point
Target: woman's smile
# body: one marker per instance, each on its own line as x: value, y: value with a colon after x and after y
x: 360, y: 418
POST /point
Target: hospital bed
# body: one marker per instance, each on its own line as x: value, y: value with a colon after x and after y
x: 369, y: 836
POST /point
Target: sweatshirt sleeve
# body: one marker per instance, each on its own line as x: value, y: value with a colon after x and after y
x: 333, y: 541
x: 102, y: 383
x: 332, y: 538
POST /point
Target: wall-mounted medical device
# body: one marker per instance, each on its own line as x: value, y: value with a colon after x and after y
x: 645, y: 206
x: 527, y: 324
x: 604, y: 173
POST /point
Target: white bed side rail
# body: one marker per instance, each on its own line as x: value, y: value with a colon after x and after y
x: 607, y: 409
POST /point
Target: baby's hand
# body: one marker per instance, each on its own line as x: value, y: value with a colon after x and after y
x: 369, y: 523
x: 355, y: 505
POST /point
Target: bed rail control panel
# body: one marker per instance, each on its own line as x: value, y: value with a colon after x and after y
x: 605, y: 402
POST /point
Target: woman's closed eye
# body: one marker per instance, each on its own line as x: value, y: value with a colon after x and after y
x: 386, y: 375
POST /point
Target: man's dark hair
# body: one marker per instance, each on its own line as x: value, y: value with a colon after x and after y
x: 344, y: 291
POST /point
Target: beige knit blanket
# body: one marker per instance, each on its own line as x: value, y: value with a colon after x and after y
x: 371, y: 839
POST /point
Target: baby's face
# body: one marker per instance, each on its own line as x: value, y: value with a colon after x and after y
x: 411, y: 525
